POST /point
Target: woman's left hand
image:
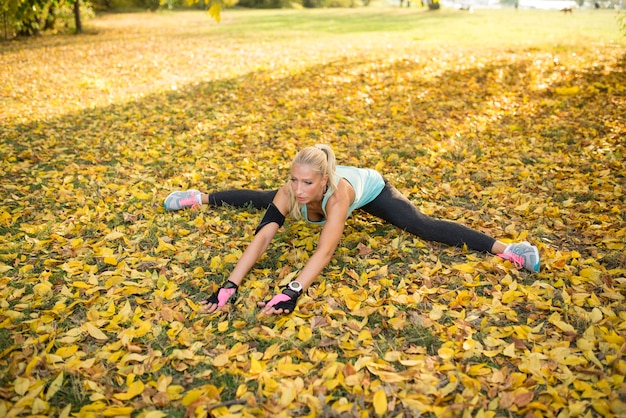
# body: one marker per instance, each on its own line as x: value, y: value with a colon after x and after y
x: 282, y: 303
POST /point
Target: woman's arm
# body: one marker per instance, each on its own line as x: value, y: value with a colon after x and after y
x: 336, y: 212
x: 257, y: 247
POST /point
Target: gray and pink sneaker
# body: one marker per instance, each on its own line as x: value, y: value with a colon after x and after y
x: 182, y: 200
x: 522, y: 255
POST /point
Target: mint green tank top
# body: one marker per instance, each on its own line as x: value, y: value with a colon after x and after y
x: 367, y: 184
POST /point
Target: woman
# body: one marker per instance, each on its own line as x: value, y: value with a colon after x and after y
x: 323, y: 193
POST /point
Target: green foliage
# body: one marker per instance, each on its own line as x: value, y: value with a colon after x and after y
x: 264, y: 4
x: 32, y: 17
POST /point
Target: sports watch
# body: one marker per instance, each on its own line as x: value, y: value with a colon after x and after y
x: 295, y: 287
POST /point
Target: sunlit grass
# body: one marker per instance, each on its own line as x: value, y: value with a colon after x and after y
x: 265, y: 40
x: 482, y: 27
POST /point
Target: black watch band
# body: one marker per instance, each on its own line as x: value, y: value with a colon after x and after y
x: 291, y: 293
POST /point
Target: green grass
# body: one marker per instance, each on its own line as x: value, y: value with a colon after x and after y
x: 484, y: 27
x: 397, y: 27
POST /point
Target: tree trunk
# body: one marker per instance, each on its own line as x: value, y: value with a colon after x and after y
x: 79, y: 25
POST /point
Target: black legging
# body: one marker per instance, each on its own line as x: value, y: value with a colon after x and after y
x: 390, y: 205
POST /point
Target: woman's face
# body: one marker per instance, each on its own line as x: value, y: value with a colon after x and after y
x: 307, y: 185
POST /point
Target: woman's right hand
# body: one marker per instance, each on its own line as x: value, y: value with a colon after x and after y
x: 218, y: 300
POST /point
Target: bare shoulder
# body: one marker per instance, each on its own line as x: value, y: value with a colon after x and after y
x: 343, y: 196
x: 283, y: 191
x: 282, y: 199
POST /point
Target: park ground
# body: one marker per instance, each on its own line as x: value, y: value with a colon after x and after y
x: 511, y: 122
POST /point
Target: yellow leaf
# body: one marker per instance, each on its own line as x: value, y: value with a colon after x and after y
x: 216, y: 263
x: 141, y: 195
x: 126, y: 311
x: 479, y: 370
x: 271, y: 351
x: 39, y: 406
x: 602, y: 407
x: 590, y: 273
x: 613, y: 338
x: 446, y: 353
x: 523, y: 207
x: 567, y: 91
x: 380, y: 402
x: 449, y: 388
x: 95, y: 331
x: 510, y: 351
x: 164, y: 247
x: 191, y: 396
x: 563, y: 326
x: 115, y: 411
x: 133, y: 390
x: 255, y: 366
x: 42, y: 289
x: 215, y: 10
x: 144, y: 328
x: 238, y: 349
x: 154, y: 414
x: 435, y: 313
x: 364, y: 335
x: 81, y: 285
x: 194, y: 306
x: 66, y: 411
x: 56, y: 384
x: 222, y: 326
x: 288, y: 394
x: 21, y: 385
x: 113, y: 235
x: 465, y: 268
x: 304, y: 333
x: 596, y: 315
x: 220, y: 360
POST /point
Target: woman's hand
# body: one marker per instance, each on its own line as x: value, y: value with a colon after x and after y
x: 218, y: 300
x: 270, y: 310
x: 282, y: 303
x: 208, y: 307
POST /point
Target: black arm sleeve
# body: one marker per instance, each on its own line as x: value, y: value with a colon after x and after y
x: 272, y: 214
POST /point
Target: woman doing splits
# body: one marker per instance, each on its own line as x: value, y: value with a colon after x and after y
x: 323, y: 193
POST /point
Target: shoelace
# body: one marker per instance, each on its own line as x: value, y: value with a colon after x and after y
x: 517, y: 260
x: 188, y: 201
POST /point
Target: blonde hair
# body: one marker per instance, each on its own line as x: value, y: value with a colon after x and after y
x: 321, y: 159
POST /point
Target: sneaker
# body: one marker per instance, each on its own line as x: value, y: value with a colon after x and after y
x: 522, y: 255
x: 183, y: 200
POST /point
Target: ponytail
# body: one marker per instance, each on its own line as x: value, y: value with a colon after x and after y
x: 331, y: 167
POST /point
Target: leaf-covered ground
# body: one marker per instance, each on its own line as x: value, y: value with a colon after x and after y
x: 100, y: 288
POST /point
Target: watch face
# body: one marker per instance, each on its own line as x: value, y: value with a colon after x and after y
x: 295, y: 286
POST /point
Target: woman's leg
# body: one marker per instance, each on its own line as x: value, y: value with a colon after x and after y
x: 259, y: 199
x: 393, y: 207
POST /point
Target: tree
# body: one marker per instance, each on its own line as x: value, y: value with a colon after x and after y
x: 433, y: 4
x: 77, y: 22
x: 8, y: 11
